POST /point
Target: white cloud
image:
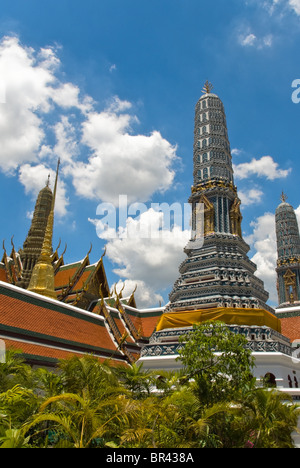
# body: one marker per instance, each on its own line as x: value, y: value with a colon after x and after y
x: 122, y: 162
x: 145, y: 296
x: 250, y: 197
x: 251, y: 40
x: 263, y: 167
x: 27, y: 81
x: 100, y: 152
x: 271, y: 5
x: 31, y: 90
x: 113, y: 67
x: 279, y: 7
x: 33, y: 178
x: 67, y: 95
x: 153, y: 261
x: 263, y: 241
x: 248, y: 40
x: 297, y: 213
x: 236, y: 152
x: 118, y: 105
x: 295, y: 5
x: 267, y: 41
x: 66, y: 146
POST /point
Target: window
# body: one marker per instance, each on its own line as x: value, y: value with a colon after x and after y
x: 270, y: 380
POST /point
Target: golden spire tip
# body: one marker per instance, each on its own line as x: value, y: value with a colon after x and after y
x: 283, y: 197
x: 207, y: 88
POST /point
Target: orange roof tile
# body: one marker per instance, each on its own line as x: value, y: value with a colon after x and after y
x: 32, y: 315
x: 37, y: 352
x: 64, y: 274
x: 290, y: 327
x: 149, y: 325
x: 83, y: 278
x: 144, y: 322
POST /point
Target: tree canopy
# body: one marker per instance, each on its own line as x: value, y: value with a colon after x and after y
x: 83, y: 403
x: 218, y: 360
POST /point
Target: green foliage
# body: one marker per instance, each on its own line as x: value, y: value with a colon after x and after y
x: 14, y: 438
x: 217, y: 360
x: 79, y: 420
x: 270, y: 417
x: 14, y: 371
x: 17, y: 404
x: 88, y: 404
x: 136, y: 380
x: 79, y: 375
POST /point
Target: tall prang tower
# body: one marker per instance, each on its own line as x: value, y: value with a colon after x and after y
x: 218, y: 272
x: 288, y: 255
x: 33, y: 244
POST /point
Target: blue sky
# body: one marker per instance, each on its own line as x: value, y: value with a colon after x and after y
x: 110, y: 87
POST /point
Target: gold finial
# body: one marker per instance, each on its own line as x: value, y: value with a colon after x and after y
x: 55, y: 185
x: 104, y: 253
x: 283, y: 197
x: 207, y: 88
x: 64, y: 251
x: 42, y: 278
x: 91, y: 248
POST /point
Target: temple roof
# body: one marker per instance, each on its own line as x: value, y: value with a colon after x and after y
x: 50, y: 329
x: 46, y: 330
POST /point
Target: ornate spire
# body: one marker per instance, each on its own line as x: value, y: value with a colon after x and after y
x: 42, y: 279
x: 212, y: 154
x: 207, y: 88
x: 217, y: 271
x: 288, y: 254
x: 32, y: 246
x: 283, y: 197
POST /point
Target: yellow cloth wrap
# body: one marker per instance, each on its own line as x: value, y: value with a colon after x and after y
x: 230, y: 316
